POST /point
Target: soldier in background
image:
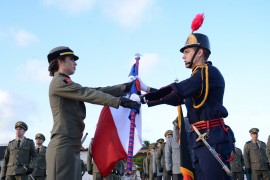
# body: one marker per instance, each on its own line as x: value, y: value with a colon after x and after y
x: 146, y: 161
x: 161, y: 161
x: 118, y: 171
x: 237, y: 165
x: 268, y: 149
x: 151, y: 163
x: 91, y: 165
x: 255, y: 158
x: 20, y: 156
x: 39, y: 172
x: 158, y: 169
x: 172, y: 154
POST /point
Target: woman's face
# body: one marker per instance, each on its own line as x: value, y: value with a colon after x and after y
x: 68, y: 66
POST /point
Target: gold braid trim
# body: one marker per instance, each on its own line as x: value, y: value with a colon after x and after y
x: 179, y: 122
x: 205, y: 68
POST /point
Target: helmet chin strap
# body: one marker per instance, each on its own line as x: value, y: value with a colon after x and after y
x: 192, y: 59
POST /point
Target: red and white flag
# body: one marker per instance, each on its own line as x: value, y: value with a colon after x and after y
x: 111, y: 138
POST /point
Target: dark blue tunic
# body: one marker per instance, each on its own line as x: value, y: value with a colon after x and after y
x: 191, y: 92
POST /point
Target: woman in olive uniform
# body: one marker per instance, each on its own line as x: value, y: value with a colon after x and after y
x: 67, y: 104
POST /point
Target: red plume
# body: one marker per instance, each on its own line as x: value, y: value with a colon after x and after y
x: 197, y: 22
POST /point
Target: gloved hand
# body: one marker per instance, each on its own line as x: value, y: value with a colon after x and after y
x: 29, y: 171
x: 135, y: 97
x: 90, y: 172
x: 127, y: 103
x: 160, y: 169
x: 144, y: 87
x: 169, y: 172
x: 128, y: 86
x: 155, y: 174
x: 146, y: 175
x: 142, y: 99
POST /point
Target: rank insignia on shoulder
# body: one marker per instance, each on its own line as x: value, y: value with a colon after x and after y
x: 67, y: 80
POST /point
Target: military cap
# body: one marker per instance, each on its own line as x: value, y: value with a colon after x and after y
x: 253, y: 130
x: 168, y: 132
x: 161, y: 140
x: 61, y: 51
x: 22, y: 125
x: 41, y: 136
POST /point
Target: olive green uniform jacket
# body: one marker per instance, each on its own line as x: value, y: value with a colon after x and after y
x: 40, y: 168
x: 268, y: 149
x: 68, y: 109
x: 16, y: 158
x: 237, y: 164
x: 254, y: 156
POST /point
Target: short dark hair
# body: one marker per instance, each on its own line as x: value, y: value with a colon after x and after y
x: 206, y: 53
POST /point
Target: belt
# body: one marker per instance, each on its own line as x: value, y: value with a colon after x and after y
x: 208, y: 124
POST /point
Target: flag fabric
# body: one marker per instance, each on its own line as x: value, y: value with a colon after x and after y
x: 186, y: 167
x: 112, y: 136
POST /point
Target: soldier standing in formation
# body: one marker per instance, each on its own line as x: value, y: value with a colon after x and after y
x: 151, y: 163
x: 161, y: 161
x: 146, y: 161
x: 68, y: 109
x: 20, y: 156
x: 237, y: 165
x: 158, y: 169
x: 172, y: 154
x: 255, y: 158
x: 268, y: 149
x: 39, y: 172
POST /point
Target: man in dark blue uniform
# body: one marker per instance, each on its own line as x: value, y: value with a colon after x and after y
x: 202, y: 93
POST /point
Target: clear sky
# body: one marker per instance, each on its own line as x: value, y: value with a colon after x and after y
x: 106, y: 34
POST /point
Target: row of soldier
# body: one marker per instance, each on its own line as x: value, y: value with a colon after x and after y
x: 163, y: 158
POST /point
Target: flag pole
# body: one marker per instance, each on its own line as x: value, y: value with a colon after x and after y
x: 132, y: 117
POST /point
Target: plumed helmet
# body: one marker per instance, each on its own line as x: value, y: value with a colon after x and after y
x: 22, y: 125
x: 197, y: 40
x: 41, y: 136
x: 60, y: 51
x: 168, y: 132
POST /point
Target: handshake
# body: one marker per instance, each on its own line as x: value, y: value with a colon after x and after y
x: 134, y: 102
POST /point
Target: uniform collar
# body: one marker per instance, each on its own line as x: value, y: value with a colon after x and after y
x: 61, y: 74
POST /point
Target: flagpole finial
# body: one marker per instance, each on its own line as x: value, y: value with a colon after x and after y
x: 137, y: 56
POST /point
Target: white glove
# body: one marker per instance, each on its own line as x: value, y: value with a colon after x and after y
x: 144, y: 87
x: 135, y: 97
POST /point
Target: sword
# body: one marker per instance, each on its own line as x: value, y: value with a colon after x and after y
x: 29, y: 174
x: 214, y: 153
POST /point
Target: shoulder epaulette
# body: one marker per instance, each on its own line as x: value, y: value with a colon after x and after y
x: 11, y: 140
x: 248, y: 142
x: 29, y: 139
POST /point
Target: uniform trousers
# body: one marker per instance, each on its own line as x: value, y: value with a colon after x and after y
x: 206, y: 165
x: 22, y: 177
x: 237, y: 176
x: 63, y: 158
x: 260, y: 175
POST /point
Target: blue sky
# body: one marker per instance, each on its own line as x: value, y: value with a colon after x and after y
x: 106, y: 35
